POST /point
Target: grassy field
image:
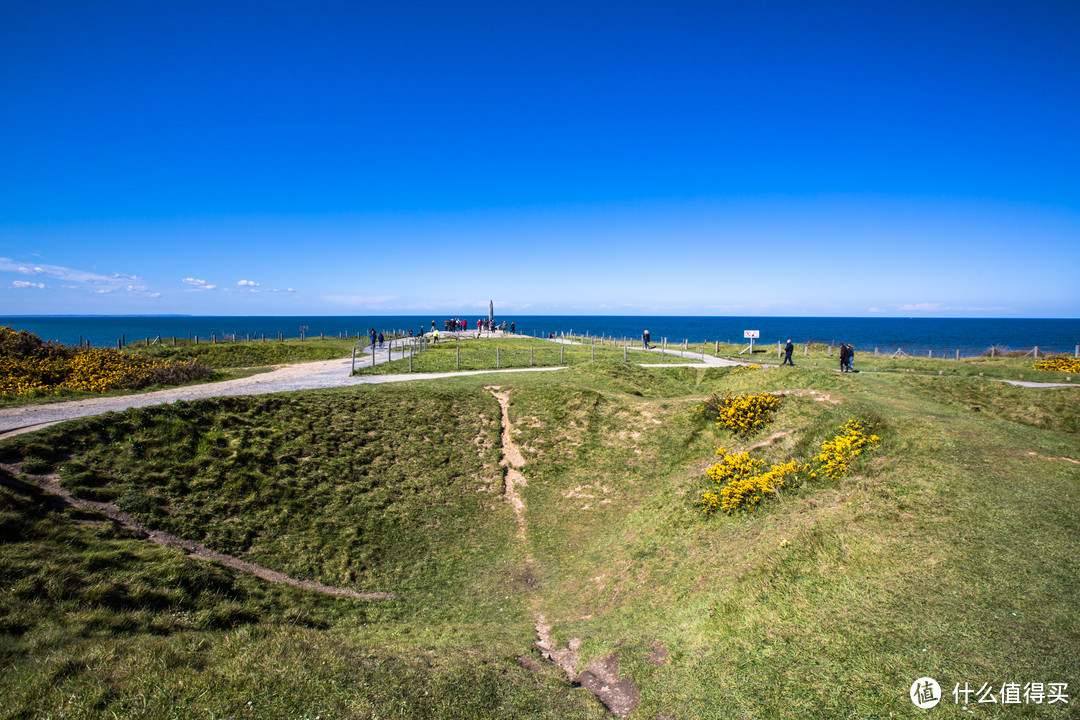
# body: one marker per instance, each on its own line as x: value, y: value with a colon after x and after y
x: 470, y: 354
x: 1012, y: 368
x: 950, y: 551
x: 252, y: 353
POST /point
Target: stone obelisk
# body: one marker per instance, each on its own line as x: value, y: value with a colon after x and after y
x: 491, y: 312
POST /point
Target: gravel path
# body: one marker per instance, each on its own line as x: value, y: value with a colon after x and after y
x: 301, y: 376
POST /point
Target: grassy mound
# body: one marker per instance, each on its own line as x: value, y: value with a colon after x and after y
x: 949, y: 551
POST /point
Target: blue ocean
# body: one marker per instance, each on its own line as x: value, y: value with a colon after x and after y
x: 912, y: 335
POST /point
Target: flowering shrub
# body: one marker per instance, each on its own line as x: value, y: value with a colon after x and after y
x: 740, y: 480
x: 1061, y: 363
x: 744, y: 368
x: 741, y: 414
x: 30, y: 366
x: 836, y: 455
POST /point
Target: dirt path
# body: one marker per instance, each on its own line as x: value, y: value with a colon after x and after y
x: 601, y: 677
x: 50, y: 484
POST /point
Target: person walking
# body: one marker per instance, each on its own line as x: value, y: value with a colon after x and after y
x: 512, y: 332
x: 788, y: 349
x: 645, y: 339
x: 843, y: 357
x: 850, y: 358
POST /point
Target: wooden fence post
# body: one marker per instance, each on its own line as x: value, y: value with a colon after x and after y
x: 1036, y: 352
x: 457, y: 358
x: 957, y: 354
x: 496, y: 358
x: 353, y: 360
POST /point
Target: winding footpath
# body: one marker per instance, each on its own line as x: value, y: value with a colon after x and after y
x: 301, y: 376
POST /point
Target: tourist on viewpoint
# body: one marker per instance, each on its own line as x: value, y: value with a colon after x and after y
x: 788, y: 349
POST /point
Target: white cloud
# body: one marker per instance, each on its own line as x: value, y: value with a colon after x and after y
x: 24, y: 284
x: 247, y: 283
x: 198, y: 284
x: 938, y: 307
x: 74, y: 279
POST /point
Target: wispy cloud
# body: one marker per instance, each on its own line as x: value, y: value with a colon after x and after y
x: 247, y: 283
x: 353, y: 300
x: 75, y: 279
x: 937, y: 307
x: 198, y: 284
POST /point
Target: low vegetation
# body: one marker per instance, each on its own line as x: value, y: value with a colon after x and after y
x: 249, y: 353
x: 468, y: 354
x: 31, y: 367
x: 949, y: 551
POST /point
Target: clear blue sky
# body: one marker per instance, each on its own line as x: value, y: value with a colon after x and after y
x: 731, y: 158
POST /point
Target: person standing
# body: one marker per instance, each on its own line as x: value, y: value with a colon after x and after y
x: 788, y: 349
x: 645, y: 339
x: 843, y: 358
x: 512, y: 332
x: 850, y: 357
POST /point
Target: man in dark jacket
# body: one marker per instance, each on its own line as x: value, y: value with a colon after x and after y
x: 645, y: 339
x: 788, y: 349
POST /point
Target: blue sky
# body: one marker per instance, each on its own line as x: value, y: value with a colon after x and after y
x: 895, y: 159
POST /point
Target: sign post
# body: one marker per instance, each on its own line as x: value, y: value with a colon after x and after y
x: 751, y: 334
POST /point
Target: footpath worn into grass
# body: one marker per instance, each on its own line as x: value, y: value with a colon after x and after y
x: 949, y: 551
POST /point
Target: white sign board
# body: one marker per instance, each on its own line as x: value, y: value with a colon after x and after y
x: 751, y: 333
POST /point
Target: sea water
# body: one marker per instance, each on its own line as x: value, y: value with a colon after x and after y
x: 941, y: 336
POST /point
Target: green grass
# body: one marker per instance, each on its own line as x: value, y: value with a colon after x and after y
x: 950, y: 551
x: 1011, y: 368
x: 253, y: 353
x: 453, y: 355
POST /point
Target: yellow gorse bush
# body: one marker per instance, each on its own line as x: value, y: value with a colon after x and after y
x: 836, y: 455
x: 741, y: 414
x: 29, y: 366
x: 739, y: 480
x: 1061, y: 363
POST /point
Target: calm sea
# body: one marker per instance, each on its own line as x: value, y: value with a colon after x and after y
x: 941, y: 335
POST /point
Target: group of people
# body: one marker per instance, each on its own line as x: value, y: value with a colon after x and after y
x: 847, y: 355
x: 459, y: 325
